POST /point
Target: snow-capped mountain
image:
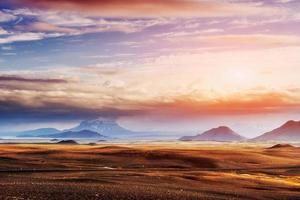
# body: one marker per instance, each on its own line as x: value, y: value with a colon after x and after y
x: 103, y: 126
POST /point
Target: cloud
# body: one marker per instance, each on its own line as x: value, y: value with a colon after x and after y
x: 6, y: 17
x: 7, y: 48
x: 29, y: 87
x: 3, y: 32
x: 237, y: 104
x: 290, y: 17
x: 152, y: 8
x: 197, y: 84
x: 252, y: 39
x: 45, y: 27
x: 29, y: 80
x: 14, y: 107
x: 285, y: 1
x: 74, y: 23
x: 238, y: 39
x: 59, y: 18
x: 179, y: 34
x: 21, y: 37
x: 22, y: 104
x: 9, y: 54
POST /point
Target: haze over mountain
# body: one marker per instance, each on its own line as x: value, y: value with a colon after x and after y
x: 96, y: 128
x: 38, y: 132
x: 76, y: 134
x: 108, y: 127
x: 290, y: 131
x: 221, y: 134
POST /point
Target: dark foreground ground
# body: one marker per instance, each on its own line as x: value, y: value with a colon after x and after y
x: 155, y: 172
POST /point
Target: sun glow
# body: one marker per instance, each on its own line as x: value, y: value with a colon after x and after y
x: 240, y: 77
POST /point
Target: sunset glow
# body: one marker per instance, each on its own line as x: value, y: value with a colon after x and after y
x: 150, y: 64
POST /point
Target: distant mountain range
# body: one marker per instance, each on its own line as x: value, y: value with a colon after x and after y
x: 220, y: 134
x: 102, y: 128
x: 290, y: 131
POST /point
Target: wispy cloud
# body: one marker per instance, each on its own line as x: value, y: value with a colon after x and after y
x: 3, y: 32
x: 44, y: 24
x: 238, y: 83
x: 45, y: 27
x: 5, y: 17
x: 285, y: 1
x: 16, y: 107
x: 238, y: 104
x: 253, y: 40
x: 7, y: 48
x: 56, y: 104
x: 162, y: 57
x: 21, y: 37
x: 147, y: 8
x: 29, y: 80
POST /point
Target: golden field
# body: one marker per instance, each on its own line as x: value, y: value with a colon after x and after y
x: 139, y: 171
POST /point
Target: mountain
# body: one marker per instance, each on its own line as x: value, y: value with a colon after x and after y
x: 67, y: 142
x: 221, y: 134
x: 108, y: 127
x: 76, y: 134
x: 95, y: 128
x: 38, y: 132
x: 282, y: 146
x: 290, y: 131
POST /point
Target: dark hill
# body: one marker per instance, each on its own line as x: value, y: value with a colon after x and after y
x: 67, y: 142
x: 280, y: 146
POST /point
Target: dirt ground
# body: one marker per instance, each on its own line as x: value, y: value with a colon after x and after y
x: 51, y: 171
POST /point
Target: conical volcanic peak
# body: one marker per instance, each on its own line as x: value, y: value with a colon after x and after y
x: 221, y: 133
x: 289, y: 131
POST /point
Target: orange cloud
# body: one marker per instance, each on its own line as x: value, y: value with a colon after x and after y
x: 64, y: 100
x: 240, y: 104
x: 151, y: 8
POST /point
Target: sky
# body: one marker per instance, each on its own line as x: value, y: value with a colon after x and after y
x: 173, y: 65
